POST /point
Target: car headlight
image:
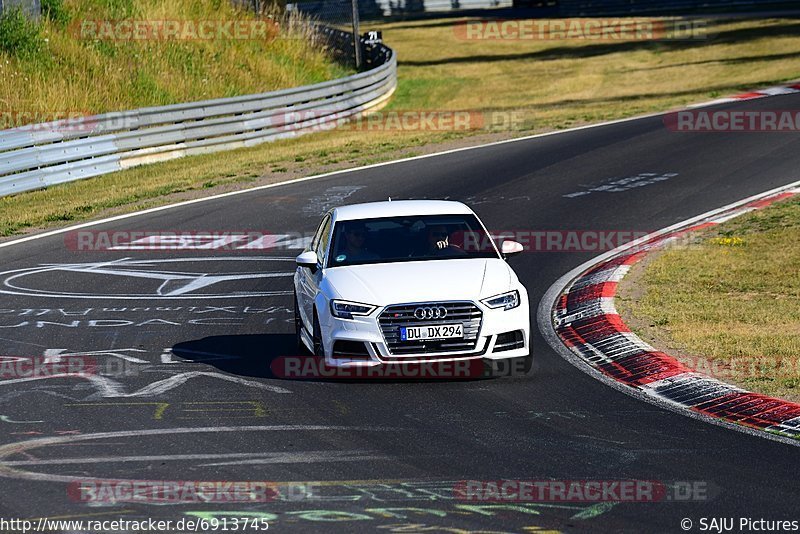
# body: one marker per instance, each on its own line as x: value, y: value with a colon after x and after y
x: 346, y: 310
x: 507, y: 301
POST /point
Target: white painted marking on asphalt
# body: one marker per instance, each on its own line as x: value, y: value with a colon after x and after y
x: 186, y: 281
x: 166, y: 356
x: 619, y: 185
x: 7, y: 419
x: 108, y: 388
x: 778, y: 90
x: 10, y: 449
x: 732, y: 215
x: 162, y: 386
x: 17, y: 341
x: 725, y: 100
x: 55, y: 355
x: 332, y: 196
x: 303, y: 458
x: 256, y: 457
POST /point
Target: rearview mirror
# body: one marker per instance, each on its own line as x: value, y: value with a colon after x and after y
x: 307, y: 259
x: 510, y: 248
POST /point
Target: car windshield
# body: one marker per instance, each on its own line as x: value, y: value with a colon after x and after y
x: 414, y: 238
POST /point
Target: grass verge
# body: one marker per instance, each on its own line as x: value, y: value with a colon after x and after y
x: 84, y: 57
x: 728, y: 304
x: 546, y: 85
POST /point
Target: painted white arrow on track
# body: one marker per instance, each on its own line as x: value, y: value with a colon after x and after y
x: 108, y: 388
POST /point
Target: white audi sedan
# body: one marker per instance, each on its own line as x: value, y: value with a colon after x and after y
x: 409, y: 282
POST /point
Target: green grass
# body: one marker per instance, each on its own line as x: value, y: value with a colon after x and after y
x: 731, y: 300
x: 19, y: 36
x: 549, y: 85
x: 50, y: 67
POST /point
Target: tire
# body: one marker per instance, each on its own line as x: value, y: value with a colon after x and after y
x: 319, y: 350
x: 298, y: 328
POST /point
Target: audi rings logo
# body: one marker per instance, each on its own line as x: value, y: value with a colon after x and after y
x: 433, y: 312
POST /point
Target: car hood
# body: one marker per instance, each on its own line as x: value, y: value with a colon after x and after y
x: 420, y: 281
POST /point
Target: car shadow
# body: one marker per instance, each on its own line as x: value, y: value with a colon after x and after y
x: 245, y: 355
x: 275, y: 356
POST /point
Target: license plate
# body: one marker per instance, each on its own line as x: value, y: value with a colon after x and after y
x: 423, y: 333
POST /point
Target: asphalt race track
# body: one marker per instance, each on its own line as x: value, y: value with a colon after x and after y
x: 184, y: 341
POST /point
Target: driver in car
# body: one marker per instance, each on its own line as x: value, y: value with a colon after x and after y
x: 355, y: 236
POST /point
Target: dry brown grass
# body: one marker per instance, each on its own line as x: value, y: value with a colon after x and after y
x: 732, y: 300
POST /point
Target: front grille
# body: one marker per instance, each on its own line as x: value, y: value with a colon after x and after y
x: 393, y: 317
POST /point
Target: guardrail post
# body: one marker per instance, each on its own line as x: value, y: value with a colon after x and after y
x: 356, y: 35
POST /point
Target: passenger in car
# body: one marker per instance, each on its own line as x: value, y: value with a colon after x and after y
x: 438, y: 243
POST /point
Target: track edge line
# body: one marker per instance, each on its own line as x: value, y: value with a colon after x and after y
x: 547, y: 305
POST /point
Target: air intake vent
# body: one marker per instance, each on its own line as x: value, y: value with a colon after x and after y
x: 353, y: 350
x: 509, y: 341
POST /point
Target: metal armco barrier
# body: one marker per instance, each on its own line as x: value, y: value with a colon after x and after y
x: 331, y: 10
x: 633, y: 7
x: 41, y: 155
x: 380, y: 9
x: 32, y: 8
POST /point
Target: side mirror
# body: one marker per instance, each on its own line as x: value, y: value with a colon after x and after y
x: 307, y: 259
x: 511, y: 248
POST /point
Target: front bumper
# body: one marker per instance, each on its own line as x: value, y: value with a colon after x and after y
x: 367, y: 332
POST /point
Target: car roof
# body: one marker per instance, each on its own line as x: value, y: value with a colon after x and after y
x: 399, y: 208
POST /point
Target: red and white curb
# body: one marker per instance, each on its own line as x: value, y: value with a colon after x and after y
x: 578, y: 318
x: 752, y: 95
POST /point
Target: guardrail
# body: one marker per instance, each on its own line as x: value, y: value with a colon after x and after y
x: 656, y: 7
x: 38, y: 156
x: 31, y: 8
x: 334, y: 10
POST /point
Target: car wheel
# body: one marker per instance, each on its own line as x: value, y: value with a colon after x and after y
x: 319, y: 350
x: 298, y: 327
